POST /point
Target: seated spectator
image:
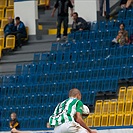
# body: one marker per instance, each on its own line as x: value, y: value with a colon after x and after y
x: 129, y: 3
x: 8, y: 29
x: 20, y: 31
x: 79, y: 23
x: 122, y: 37
x: 115, y: 12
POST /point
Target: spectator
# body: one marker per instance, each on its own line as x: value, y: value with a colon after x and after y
x: 14, y: 122
x: 122, y: 37
x: 101, y: 7
x: 129, y: 3
x: 62, y: 6
x: 115, y: 12
x: 79, y: 23
x: 8, y: 29
x: 20, y: 31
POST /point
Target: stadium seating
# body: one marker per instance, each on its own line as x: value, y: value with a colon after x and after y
x: 88, y: 62
x: 115, y: 112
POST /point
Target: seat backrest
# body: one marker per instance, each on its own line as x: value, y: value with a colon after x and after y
x: 3, y: 23
x: 10, y: 42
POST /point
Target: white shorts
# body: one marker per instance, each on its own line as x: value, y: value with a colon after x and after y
x: 70, y: 127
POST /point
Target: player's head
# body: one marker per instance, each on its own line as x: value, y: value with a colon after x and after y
x: 75, y: 93
x: 13, y: 116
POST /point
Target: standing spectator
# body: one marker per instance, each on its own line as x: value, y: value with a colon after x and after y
x: 62, y: 6
x: 14, y: 122
x: 122, y: 37
x: 129, y: 3
x: 20, y: 31
x: 79, y: 23
x: 101, y: 7
x: 8, y: 29
x: 115, y: 12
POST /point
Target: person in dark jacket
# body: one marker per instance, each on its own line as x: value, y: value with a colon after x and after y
x: 20, y: 31
x: 14, y: 122
x: 114, y: 13
x: 62, y: 6
x: 79, y: 23
x: 8, y: 29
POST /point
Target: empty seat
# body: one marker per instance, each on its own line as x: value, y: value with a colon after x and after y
x: 104, y: 121
x: 3, y: 3
x: 98, y: 107
x: 1, y: 13
x: 3, y: 23
x: 42, y: 2
x: 97, y: 120
x: 120, y: 106
x: 10, y: 3
x: 127, y: 119
x: 9, y: 13
x: 10, y: 42
x: 113, y: 105
x: 122, y: 93
x: 128, y: 106
x: 89, y: 120
x: 2, y: 42
x: 119, y: 119
x: 112, y: 120
x: 129, y: 94
x: 106, y: 105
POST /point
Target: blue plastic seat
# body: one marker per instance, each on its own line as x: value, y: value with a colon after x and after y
x: 54, y: 47
x: 92, y: 35
x: 102, y: 25
x: 44, y: 57
x: 18, y: 69
x: 78, y: 35
x: 121, y: 14
x: 94, y: 26
x: 85, y: 35
x: 36, y: 58
x: 71, y: 36
x: 110, y: 24
x: 129, y: 14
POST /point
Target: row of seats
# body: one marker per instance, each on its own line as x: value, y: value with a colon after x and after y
x: 6, y: 3
x: 99, y: 34
x: 124, y: 16
x: 115, y: 112
x: 39, y: 123
x: 96, y: 85
x: 5, y: 13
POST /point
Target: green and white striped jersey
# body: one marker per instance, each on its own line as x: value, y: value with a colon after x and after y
x: 65, y: 111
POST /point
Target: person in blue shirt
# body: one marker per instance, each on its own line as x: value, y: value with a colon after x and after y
x: 79, y: 23
x: 20, y: 31
x: 8, y: 29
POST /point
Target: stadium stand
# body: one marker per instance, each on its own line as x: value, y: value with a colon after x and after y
x: 88, y: 62
x: 114, y: 112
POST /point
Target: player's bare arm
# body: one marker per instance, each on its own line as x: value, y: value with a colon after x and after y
x: 79, y: 120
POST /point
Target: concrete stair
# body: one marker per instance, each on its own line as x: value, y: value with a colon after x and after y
x: 25, y: 54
